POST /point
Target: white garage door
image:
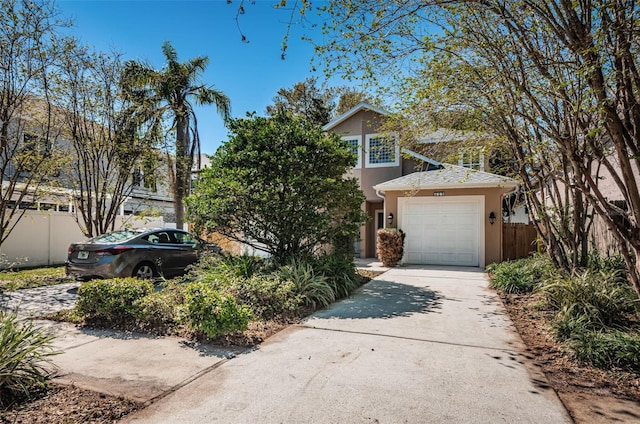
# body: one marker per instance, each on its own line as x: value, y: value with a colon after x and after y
x: 443, y: 231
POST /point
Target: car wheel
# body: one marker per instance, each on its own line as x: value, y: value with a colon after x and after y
x: 144, y: 271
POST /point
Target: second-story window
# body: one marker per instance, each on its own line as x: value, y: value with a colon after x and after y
x: 136, y: 177
x: 355, y: 146
x: 141, y: 179
x: 472, y: 157
x: 382, y: 151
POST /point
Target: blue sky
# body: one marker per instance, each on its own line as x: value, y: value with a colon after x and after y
x: 249, y: 73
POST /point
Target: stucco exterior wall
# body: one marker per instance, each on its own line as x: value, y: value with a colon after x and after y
x: 492, y: 203
x: 362, y: 123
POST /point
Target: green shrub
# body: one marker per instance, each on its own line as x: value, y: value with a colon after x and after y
x: 522, y: 275
x: 314, y: 289
x: 215, y: 267
x: 268, y: 296
x: 207, y: 311
x: 608, y: 350
x: 244, y: 266
x: 157, y: 310
x: 564, y: 328
x: 115, y: 300
x: 25, y: 364
x: 596, y: 262
x: 339, y: 271
x: 598, y: 296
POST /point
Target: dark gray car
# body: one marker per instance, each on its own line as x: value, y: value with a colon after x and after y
x: 135, y: 253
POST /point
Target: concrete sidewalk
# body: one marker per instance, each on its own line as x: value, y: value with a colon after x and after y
x: 415, y: 345
x: 135, y: 366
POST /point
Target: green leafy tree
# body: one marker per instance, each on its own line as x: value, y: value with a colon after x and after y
x: 169, y: 95
x: 348, y: 97
x: 30, y: 42
x: 279, y: 186
x: 106, y: 147
x: 317, y: 104
x: 304, y: 100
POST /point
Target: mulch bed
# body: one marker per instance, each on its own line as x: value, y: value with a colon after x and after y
x: 591, y: 395
x: 69, y: 405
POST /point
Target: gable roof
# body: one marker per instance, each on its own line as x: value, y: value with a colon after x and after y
x: 367, y: 106
x: 348, y: 114
x: 449, y: 176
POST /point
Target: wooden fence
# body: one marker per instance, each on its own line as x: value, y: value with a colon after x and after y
x: 518, y: 241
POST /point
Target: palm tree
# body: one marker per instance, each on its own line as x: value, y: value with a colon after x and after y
x: 169, y: 94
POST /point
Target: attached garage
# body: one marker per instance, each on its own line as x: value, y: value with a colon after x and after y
x: 443, y: 231
x: 450, y: 215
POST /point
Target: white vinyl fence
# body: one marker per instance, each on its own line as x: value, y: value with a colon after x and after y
x: 42, y: 237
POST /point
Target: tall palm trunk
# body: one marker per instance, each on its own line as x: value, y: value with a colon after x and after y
x: 183, y: 167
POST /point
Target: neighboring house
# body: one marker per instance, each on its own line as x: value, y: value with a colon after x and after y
x: 469, y: 149
x: 451, y: 214
x: 475, y: 150
x: 601, y: 238
x: 43, y: 234
x: 150, y: 196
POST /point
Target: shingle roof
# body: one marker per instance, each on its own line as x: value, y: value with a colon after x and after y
x: 450, y: 176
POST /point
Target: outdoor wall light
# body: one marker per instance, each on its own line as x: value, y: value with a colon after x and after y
x: 492, y: 217
x: 390, y: 219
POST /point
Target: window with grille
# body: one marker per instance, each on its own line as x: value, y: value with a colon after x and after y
x: 355, y: 146
x: 382, y: 151
x: 472, y: 158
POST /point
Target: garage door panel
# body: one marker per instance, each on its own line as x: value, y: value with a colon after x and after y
x: 442, y: 231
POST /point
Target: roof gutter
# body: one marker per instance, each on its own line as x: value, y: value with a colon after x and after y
x: 383, y: 189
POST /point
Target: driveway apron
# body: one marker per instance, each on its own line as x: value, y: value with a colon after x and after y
x: 415, y: 345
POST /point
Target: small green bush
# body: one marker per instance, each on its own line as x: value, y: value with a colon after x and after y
x: 598, y: 296
x: 157, y: 310
x: 214, y: 268
x: 314, y: 289
x: 115, y: 300
x: 522, y: 275
x: 268, y: 296
x: 339, y: 271
x: 596, y: 262
x: 244, y: 266
x: 25, y: 364
x: 564, y: 328
x: 607, y: 350
x: 207, y: 311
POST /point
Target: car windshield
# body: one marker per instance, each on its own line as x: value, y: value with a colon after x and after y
x: 115, y: 237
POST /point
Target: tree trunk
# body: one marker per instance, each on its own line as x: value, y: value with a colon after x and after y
x: 634, y: 271
x: 183, y: 166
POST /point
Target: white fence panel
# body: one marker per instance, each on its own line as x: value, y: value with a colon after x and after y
x: 42, y: 238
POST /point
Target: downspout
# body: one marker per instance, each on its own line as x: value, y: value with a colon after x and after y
x: 384, y: 202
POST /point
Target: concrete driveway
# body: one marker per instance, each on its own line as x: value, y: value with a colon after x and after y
x: 415, y: 345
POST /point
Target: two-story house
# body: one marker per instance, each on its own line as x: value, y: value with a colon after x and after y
x: 451, y: 214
